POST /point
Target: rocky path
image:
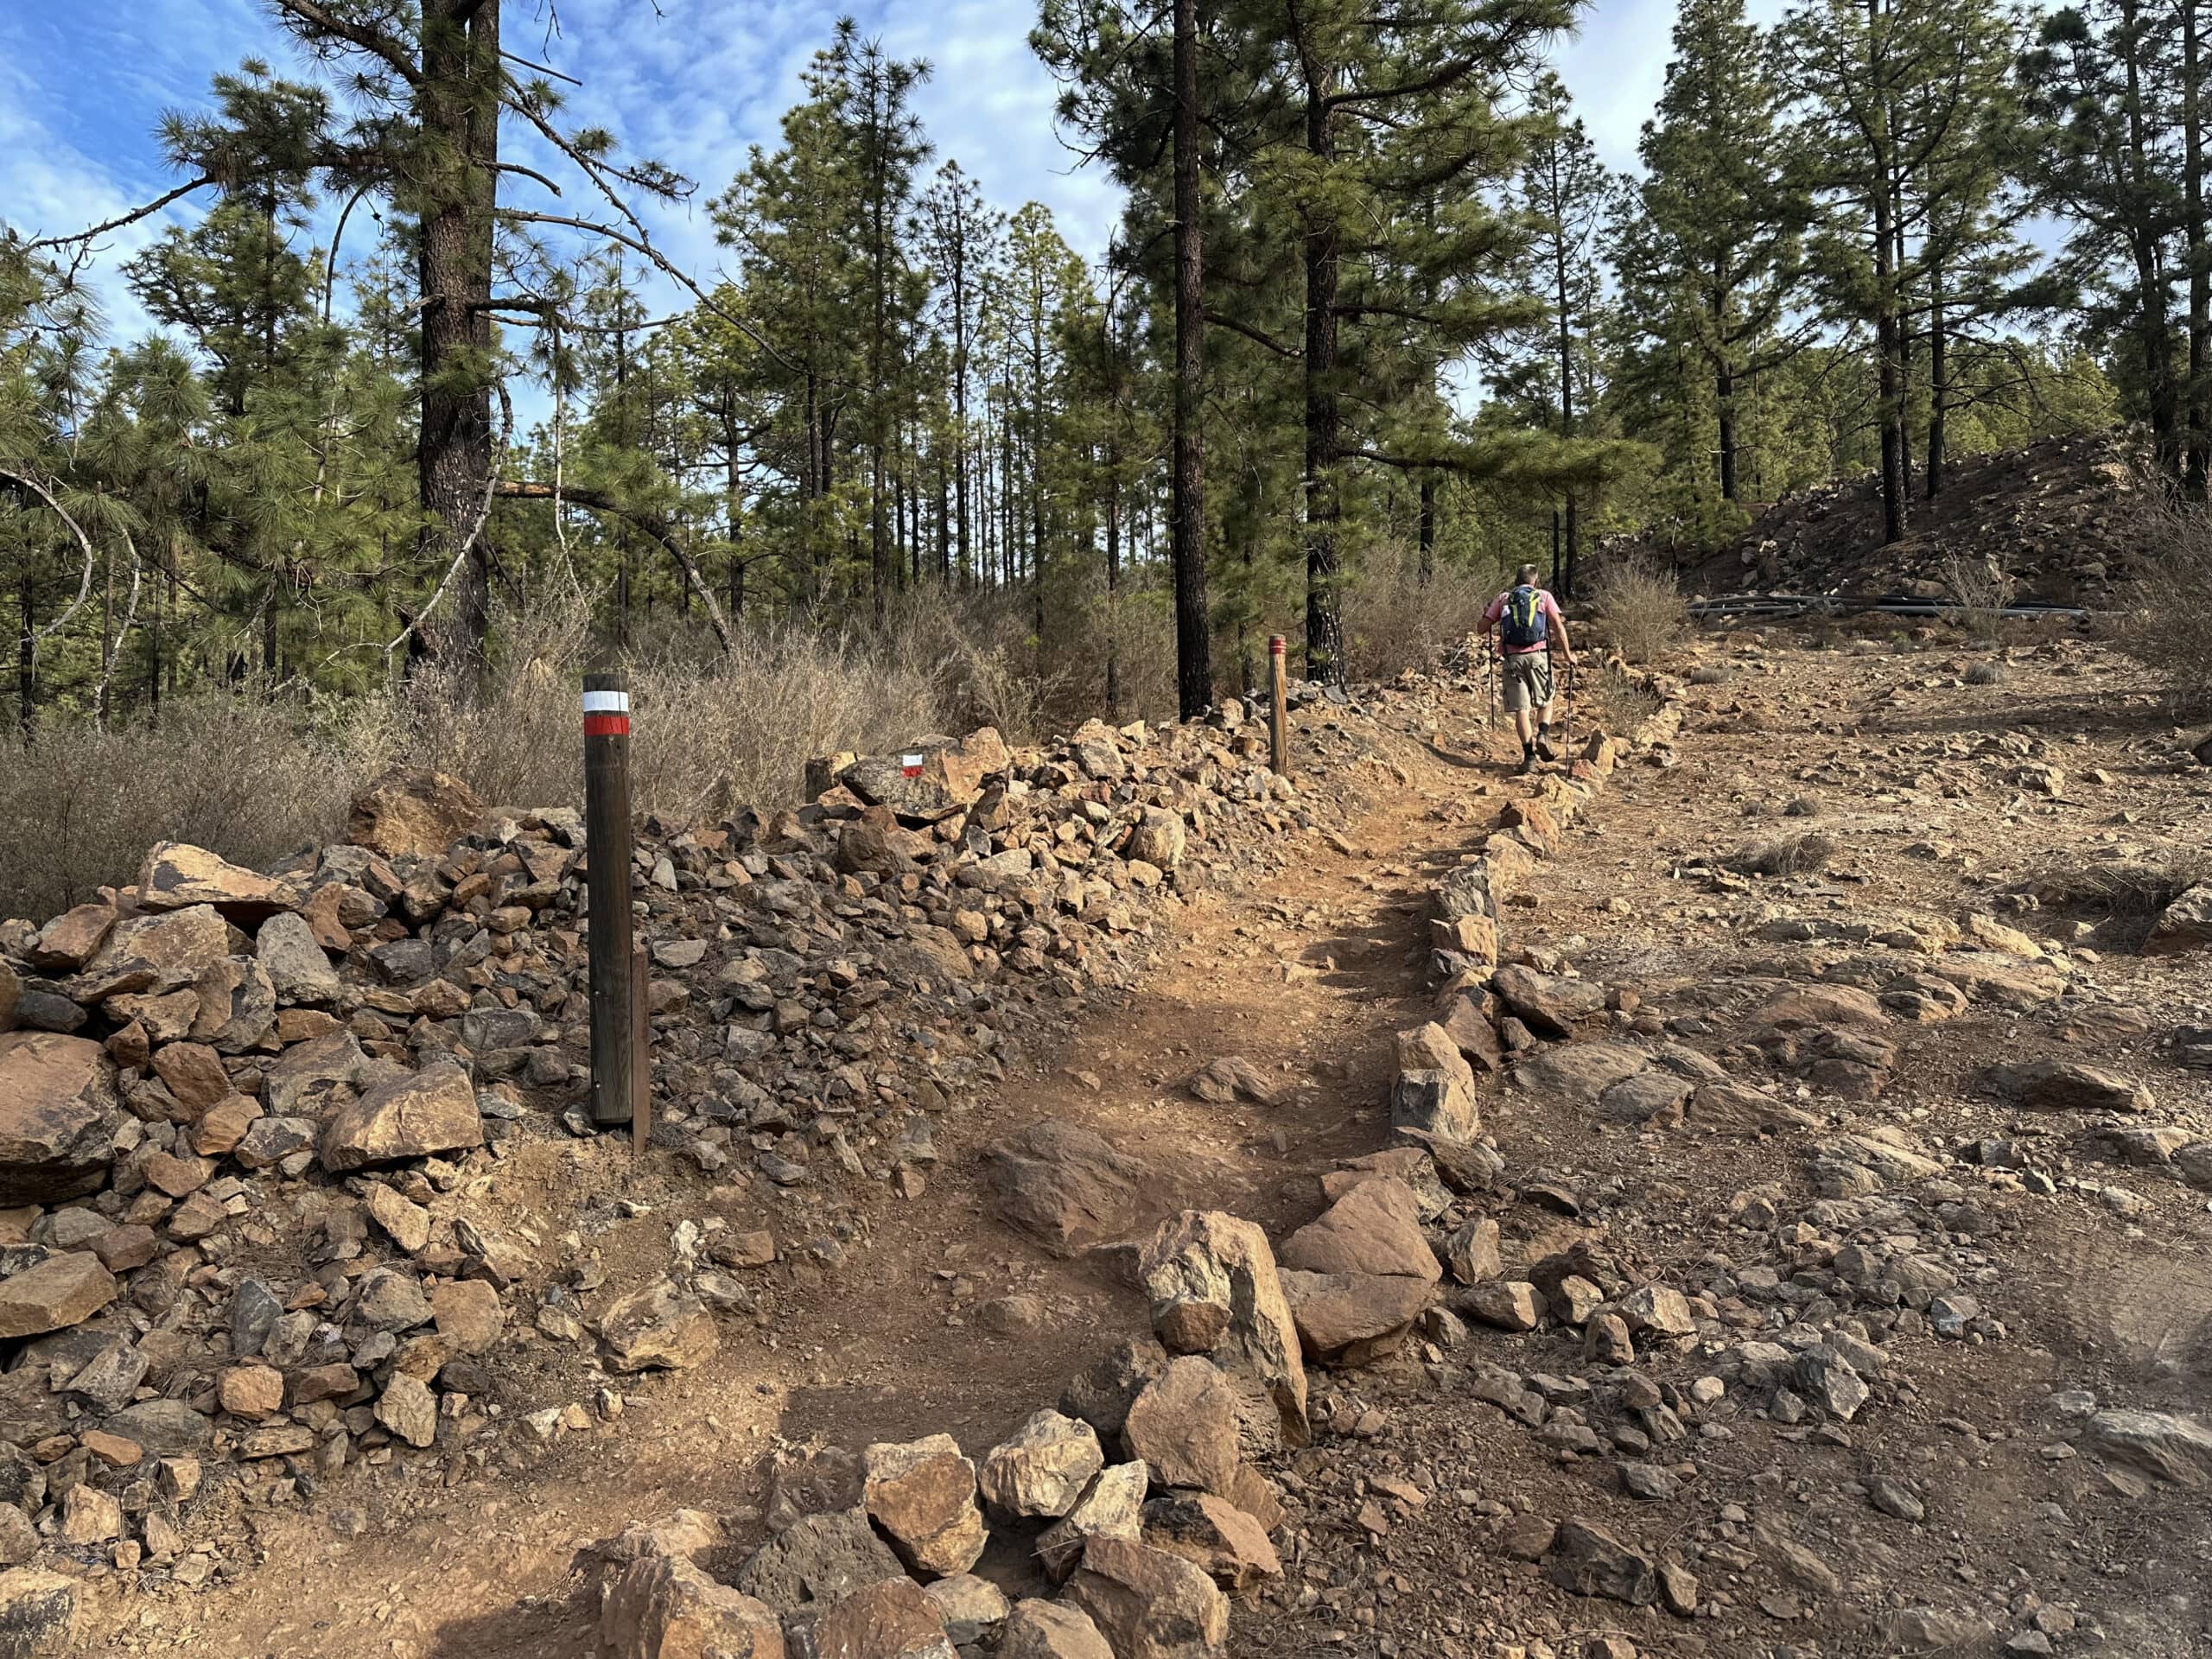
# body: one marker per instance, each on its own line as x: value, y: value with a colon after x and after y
x: 1914, y: 1117
x: 1840, y: 1292
x: 935, y: 1317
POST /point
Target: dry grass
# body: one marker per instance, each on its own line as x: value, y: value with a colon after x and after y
x: 2127, y: 897
x: 1988, y: 671
x: 254, y: 780
x: 1609, y: 700
x: 80, y: 807
x: 2170, y: 628
x: 1798, y: 855
x: 1982, y: 589
x: 1642, y: 604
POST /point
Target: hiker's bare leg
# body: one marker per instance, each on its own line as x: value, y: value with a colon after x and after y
x: 1522, y: 728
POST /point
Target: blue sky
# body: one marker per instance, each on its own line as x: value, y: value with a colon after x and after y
x: 81, y: 87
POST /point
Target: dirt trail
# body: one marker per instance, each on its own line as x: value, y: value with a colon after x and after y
x: 1306, y: 974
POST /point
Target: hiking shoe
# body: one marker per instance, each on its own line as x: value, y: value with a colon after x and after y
x: 1544, y: 748
x: 1527, y: 764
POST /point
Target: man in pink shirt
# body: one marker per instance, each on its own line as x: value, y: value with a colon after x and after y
x: 1528, y: 620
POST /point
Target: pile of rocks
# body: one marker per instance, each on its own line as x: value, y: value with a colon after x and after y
x: 2056, y: 516
x: 244, y: 1114
x: 1119, y: 1525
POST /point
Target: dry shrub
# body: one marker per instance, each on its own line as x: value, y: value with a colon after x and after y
x: 2129, y: 894
x: 2170, y: 627
x: 80, y: 807
x: 710, y: 730
x: 1609, y: 700
x: 1982, y: 589
x: 1396, y: 619
x: 1712, y: 674
x: 1988, y: 671
x: 1641, y: 603
x: 1799, y: 854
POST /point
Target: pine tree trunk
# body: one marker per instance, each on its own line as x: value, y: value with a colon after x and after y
x: 1187, y: 529
x: 2199, y: 456
x: 1887, y: 389
x: 2155, y: 328
x: 1325, y: 656
x: 458, y: 104
x: 1723, y: 395
x: 1112, y: 584
x: 26, y: 654
x: 1939, y: 384
x: 1427, y: 534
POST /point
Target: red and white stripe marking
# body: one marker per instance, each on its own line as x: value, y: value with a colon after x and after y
x: 910, y: 765
x: 606, y: 714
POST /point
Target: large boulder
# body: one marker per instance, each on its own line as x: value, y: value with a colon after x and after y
x: 1213, y: 1532
x: 38, y: 1614
x: 1349, y: 1319
x: 412, y: 813
x: 1375, y: 1229
x: 1112, y: 1506
x: 893, y: 1618
x: 666, y: 1607
x: 1434, y: 1093
x: 818, y: 1557
x: 2067, y: 1086
x: 1039, y: 1471
x: 1158, y: 838
x: 73, y: 939
x: 1050, y: 1629
x: 302, y: 1081
x: 1550, y: 1005
x: 951, y: 778
x: 286, y: 948
x: 176, y: 876
x: 922, y: 1494
x: 430, y: 1110
x: 1184, y: 1426
x: 1580, y: 1071
x: 2184, y: 924
x: 1065, y: 1185
x: 1149, y: 1604
x: 657, y: 1328
x: 1212, y: 1281
x: 58, y: 1116
x: 61, y: 1292
x: 238, y: 1005
x: 155, y: 954
x: 2171, y: 1447
x: 1589, y: 1561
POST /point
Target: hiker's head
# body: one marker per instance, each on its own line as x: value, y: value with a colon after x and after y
x: 1526, y: 575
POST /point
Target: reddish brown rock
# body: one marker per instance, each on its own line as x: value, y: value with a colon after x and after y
x: 922, y: 1494
x: 177, y: 876
x: 433, y: 1110
x: 665, y: 1607
x: 412, y: 813
x: 155, y: 954
x: 61, y: 1292
x: 73, y: 939
x: 1148, y: 1603
x: 58, y: 1116
x: 1184, y: 1426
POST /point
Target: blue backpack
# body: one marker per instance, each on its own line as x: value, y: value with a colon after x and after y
x: 1525, y: 625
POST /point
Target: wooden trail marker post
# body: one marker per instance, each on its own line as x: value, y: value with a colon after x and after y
x: 1279, y: 717
x: 617, y: 989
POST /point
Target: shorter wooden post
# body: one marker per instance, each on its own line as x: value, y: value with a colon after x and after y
x: 616, y: 995
x: 1279, y: 719
x: 641, y: 1052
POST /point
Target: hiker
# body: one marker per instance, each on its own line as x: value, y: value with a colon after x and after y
x: 1528, y: 619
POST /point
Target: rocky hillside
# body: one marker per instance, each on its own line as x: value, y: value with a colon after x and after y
x: 2055, y: 516
x: 249, y: 1119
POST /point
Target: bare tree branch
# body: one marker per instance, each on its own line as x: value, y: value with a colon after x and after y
x: 84, y: 581
x: 117, y: 223
x: 599, y: 501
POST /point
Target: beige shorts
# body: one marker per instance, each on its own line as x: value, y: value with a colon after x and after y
x: 1528, y: 680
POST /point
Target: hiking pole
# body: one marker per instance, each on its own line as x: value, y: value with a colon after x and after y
x: 1489, y: 678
